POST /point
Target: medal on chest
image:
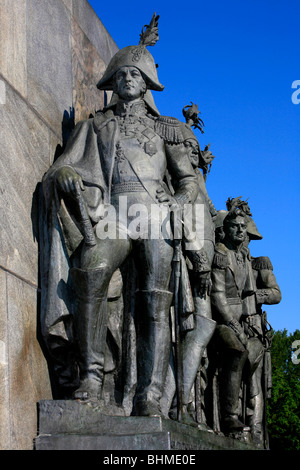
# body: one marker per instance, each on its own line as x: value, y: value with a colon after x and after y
x: 136, y: 128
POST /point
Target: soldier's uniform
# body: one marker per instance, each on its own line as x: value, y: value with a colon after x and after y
x: 199, y: 327
x: 232, y: 298
x: 267, y: 292
x: 125, y: 151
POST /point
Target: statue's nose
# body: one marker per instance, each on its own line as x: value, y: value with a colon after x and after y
x: 128, y: 76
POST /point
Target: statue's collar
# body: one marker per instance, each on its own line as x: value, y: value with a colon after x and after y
x: 130, y: 108
x: 236, y: 248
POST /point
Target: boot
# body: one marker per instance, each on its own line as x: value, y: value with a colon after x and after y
x: 90, y: 330
x: 193, y: 347
x: 169, y: 391
x: 256, y: 408
x: 233, y: 364
x: 256, y: 421
x: 153, y: 351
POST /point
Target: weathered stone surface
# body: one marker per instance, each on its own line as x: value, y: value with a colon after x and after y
x: 94, y: 29
x: 13, y: 53
x: 66, y: 425
x: 88, y: 68
x: 4, y: 389
x: 69, y: 4
x: 155, y: 441
x: 24, y: 157
x: 28, y: 379
x: 49, y: 59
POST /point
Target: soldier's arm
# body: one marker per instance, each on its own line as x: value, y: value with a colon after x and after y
x: 209, y: 202
x: 218, y: 295
x: 268, y: 291
x: 183, y: 176
x: 270, y: 294
x: 220, y: 304
x: 61, y: 173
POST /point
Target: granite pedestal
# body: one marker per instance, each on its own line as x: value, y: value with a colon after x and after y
x: 71, y: 425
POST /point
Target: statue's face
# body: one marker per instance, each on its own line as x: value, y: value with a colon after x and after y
x: 236, y: 230
x: 193, y: 152
x: 129, y: 83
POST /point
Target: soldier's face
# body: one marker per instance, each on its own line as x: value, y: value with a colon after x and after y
x: 236, y: 230
x: 129, y: 83
x: 192, y: 151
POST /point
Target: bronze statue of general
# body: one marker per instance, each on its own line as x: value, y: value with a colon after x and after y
x: 125, y: 151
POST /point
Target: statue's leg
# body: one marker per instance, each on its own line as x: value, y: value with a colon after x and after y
x: 153, y: 350
x: 193, y: 347
x: 169, y: 391
x: 154, y: 261
x: 234, y: 356
x: 195, y: 341
x: 90, y: 322
x: 252, y: 376
x: 256, y: 405
x: 90, y: 319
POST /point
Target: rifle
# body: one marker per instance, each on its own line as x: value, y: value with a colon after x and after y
x: 267, y: 336
x: 177, y: 304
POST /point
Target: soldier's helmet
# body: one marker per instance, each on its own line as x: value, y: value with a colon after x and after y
x: 136, y: 56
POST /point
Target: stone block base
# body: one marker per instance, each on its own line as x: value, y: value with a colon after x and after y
x: 71, y: 425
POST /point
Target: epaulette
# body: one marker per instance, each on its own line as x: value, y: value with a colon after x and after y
x: 262, y: 262
x: 220, y: 259
x: 169, y: 129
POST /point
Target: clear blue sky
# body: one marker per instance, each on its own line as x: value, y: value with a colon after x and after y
x: 237, y: 60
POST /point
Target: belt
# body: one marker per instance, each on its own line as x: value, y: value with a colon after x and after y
x: 127, y: 187
x: 234, y: 301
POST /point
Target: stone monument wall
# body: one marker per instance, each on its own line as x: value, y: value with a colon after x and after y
x: 52, y: 54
